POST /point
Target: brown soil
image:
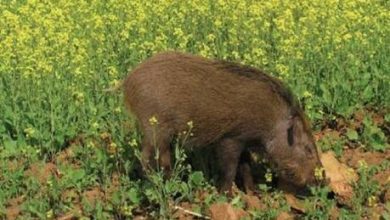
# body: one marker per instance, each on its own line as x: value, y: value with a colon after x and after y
x: 295, y: 203
x: 15, y: 164
x: 285, y: 216
x: 334, y: 134
x: 225, y: 211
x: 376, y: 212
x: 42, y: 172
x: 92, y: 196
x: 352, y: 157
x: 183, y: 212
x: 386, y: 196
x: 13, y: 207
x: 383, y: 177
x: 13, y: 212
x: 70, y: 195
x: 114, y: 186
x: 253, y: 203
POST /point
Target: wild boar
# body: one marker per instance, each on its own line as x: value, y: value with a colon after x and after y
x: 233, y: 108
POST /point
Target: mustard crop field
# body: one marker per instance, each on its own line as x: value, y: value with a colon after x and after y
x: 68, y: 148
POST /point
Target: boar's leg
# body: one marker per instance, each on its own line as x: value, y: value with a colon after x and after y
x: 147, y: 154
x: 165, y: 156
x: 228, y: 153
x: 244, y: 172
x: 153, y: 146
x: 247, y: 178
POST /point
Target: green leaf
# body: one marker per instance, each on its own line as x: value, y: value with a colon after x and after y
x: 2, y: 128
x: 10, y: 148
x: 197, y: 178
x: 368, y: 93
x: 78, y: 175
x: 387, y: 117
x: 116, y: 198
x: 236, y: 200
x: 10, y: 145
x: 352, y: 134
x: 378, y: 146
x: 327, y: 98
x: 134, y: 196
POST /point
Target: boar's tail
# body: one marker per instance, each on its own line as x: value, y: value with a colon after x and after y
x: 117, y: 86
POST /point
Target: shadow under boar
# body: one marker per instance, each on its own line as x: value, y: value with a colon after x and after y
x: 234, y: 108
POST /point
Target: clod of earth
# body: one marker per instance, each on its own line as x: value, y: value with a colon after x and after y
x: 13, y: 207
x: 253, y: 203
x: 340, y: 176
x: 334, y: 213
x: 284, y: 216
x: 225, y: 211
x: 295, y: 203
x: 93, y: 195
x: 383, y: 177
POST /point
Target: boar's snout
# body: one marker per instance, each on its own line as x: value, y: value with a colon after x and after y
x: 300, y: 175
x: 300, y: 180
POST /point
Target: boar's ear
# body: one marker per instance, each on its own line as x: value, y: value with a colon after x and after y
x: 294, y: 130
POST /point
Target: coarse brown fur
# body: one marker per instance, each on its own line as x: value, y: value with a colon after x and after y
x: 234, y: 108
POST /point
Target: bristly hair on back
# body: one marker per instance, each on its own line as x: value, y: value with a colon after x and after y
x: 276, y: 85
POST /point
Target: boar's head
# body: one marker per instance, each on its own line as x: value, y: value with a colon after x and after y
x: 292, y: 152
